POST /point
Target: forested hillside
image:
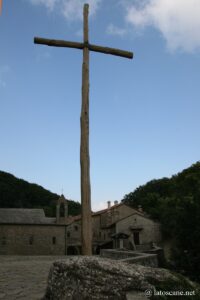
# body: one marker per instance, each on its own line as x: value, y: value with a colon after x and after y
x: 18, y: 193
x: 175, y: 202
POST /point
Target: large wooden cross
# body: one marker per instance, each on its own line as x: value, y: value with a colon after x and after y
x: 84, y: 150
x: 0, y: 6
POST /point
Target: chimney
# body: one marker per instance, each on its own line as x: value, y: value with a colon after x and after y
x: 109, y: 204
x: 115, y: 202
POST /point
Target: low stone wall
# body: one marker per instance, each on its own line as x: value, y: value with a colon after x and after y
x: 131, y: 257
x: 117, y: 254
x: 160, y: 256
x: 144, y: 247
x: 148, y: 260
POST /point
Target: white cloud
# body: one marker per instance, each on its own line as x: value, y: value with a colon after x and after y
x: 177, y: 20
x: 71, y: 9
x: 96, y: 206
x: 114, y: 30
x: 50, y: 4
x: 4, y: 70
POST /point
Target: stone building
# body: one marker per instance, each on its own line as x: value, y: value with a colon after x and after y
x: 117, y: 226
x: 142, y: 232
x: 30, y: 232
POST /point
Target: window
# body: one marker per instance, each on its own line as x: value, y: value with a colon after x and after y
x: 76, y: 228
x: 31, y: 240
x: 68, y: 234
x: 53, y: 240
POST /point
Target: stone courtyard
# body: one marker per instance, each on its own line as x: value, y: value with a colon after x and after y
x: 24, y: 277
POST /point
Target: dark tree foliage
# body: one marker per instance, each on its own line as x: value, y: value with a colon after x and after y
x: 175, y: 202
x: 18, y: 193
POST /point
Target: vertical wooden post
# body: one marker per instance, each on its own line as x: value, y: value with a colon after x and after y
x: 0, y: 6
x: 84, y: 151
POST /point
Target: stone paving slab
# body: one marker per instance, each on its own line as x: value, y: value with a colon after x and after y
x: 24, y: 277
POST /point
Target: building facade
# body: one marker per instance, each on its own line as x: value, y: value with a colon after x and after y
x: 30, y: 232
x: 142, y: 232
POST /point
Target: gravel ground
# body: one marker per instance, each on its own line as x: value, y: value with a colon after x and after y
x: 24, y: 277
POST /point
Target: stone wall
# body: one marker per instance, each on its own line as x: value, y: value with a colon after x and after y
x: 131, y: 257
x: 32, y: 239
x: 74, y: 233
x: 148, y: 260
x: 99, y: 235
x: 149, y: 230
x: 115, y: 213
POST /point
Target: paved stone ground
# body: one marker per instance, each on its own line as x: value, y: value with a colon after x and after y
x: 24, y: 277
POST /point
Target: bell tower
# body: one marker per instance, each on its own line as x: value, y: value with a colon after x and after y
x: 61, y: 209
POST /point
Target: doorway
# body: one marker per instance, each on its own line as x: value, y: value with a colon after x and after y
x: 136, y: 237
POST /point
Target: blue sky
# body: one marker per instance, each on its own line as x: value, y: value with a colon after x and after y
x: 144, y: 113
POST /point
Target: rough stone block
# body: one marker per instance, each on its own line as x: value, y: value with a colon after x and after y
x: 91, y: 278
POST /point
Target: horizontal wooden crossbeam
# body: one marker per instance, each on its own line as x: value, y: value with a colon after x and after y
x: 95, y: 48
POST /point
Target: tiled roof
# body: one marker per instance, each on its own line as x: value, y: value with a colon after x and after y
x: 71, y: 219
x: 24, y: 216
x: 106, y: 209
x: 141, y: 214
